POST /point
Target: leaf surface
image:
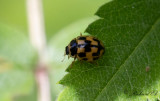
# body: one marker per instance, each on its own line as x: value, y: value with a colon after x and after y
x: 129, y: 69
x: 15, y: 46
x: 16, y: 61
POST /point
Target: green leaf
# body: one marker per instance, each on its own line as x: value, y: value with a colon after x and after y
x: 129, y: 70
x: 15, y: 83
x: 16, y: 61
x: 15, y: 47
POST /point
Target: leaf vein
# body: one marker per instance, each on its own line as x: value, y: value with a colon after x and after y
x: 152, y: 27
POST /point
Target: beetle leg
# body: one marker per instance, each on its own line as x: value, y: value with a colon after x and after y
x: 73, y: 61
x: 80, y: 61
x: 72, y: 64
x: 63, y: 59
x: 75, y: 58
x: 68, y: 56
x: 95, y: 63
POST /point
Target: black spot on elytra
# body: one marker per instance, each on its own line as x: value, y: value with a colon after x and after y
x: 95, y: 54
x: 96, y: 40
x: 73, y: 51
x: 87, y: 49
x: 95, y: 58
x: 85, y: 59
x: 73, y: 42
x: 73, y: 48
x: 100, y: 47
x: 87, y: 46
x: 81, y: 54
x: 82, y: 38
x: 94, y: 46
x: 87, y: 42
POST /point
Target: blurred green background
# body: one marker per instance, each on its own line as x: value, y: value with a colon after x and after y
x: 64, y: 20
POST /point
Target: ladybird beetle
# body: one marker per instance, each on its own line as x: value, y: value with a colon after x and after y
x: 87, y: 48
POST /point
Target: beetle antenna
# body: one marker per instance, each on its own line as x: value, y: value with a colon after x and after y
x: 64, y: 57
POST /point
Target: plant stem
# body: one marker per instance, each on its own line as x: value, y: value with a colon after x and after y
x: 38, y: 40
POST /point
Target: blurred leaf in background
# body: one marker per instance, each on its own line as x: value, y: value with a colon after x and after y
x: 13, y: 13
x: 16, y: 63
x: 61, y: 13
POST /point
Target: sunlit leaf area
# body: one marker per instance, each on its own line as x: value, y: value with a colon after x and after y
x: 63, y: 20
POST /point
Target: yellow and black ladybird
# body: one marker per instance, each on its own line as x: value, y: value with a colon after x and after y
x: 87, y: 48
